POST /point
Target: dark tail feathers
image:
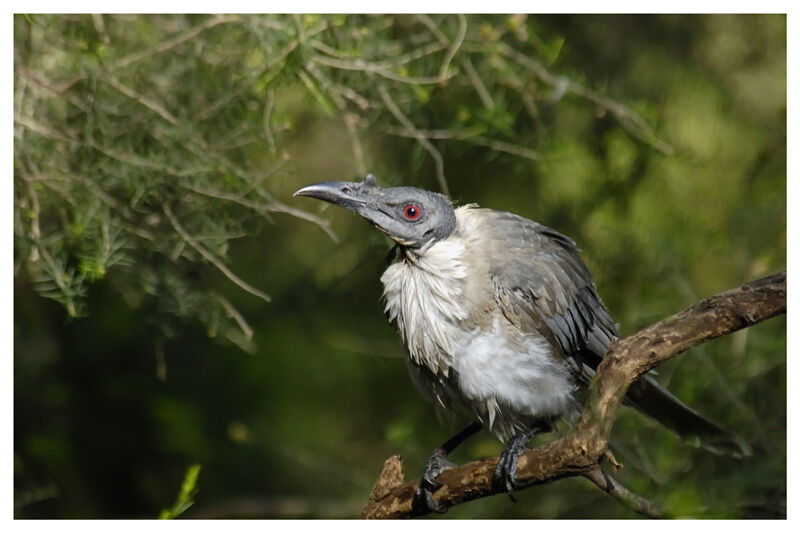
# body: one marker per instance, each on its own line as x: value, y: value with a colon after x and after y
x: 647, y: 396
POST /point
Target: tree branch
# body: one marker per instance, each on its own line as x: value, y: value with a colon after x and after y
x: 616, y: 490
x: 579, y: 452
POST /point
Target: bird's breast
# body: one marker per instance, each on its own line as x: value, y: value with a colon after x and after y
x: 485, y: 366
x: 424, y: 300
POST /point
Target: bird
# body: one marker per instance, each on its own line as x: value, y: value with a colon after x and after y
x: 501, y: 324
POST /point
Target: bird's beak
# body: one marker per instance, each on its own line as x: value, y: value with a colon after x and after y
x: 347, y: 194
x: 364, y: 198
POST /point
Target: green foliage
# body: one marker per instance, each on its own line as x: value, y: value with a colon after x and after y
x: 155, y: 158
x: 155, y: 141
x: 185, y: 498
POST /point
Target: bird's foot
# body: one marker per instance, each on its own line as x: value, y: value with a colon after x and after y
x: 504, y: 478
x: 423, y: 502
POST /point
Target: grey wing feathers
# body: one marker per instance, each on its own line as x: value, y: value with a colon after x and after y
x: 543, y: 284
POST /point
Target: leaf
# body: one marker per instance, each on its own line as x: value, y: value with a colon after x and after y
x: 186, y: 495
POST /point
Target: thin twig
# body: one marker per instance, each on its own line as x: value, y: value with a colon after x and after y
x: 502, y: 146
x: 280, y: 207
x: 255, y: 185
x: 234, y: 313
x: 129, y: 158
x: 210, y: 257
x: 40, y: 250
x: 100, y: 26
x: 454, y: 48
x: 437, y: 157
x: 149, y: 103
x: 419, y: 53
x: 43, y: 130
x: 249, y: 83
x: 623, y: 495
x: 301, y: 31
x: 372, y: 68
x: 434, y: 134
x: 274, y: 206
x: 362, y: 103
x: 312, y: 89
x: 50, y: 87
x: 175, y: 41
x: 35, y: 211
x: 433, y: 27
x: 477, y: 83
x: 350, y: 119
x: 629, y: 119
x: 469, y: 135
x: 266, y: 121
x: 350, y: 122
x: 325, y: 49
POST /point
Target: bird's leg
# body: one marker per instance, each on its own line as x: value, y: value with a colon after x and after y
x: 505, y: 474
x: 436, y: 464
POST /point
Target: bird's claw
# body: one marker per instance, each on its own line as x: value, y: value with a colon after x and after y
x: 504, y: 478
x: 423, y: 501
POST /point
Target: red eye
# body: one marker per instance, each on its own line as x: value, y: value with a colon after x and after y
x: 411, y: 212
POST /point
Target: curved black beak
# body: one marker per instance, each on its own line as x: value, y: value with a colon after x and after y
x: 340, y: 193
x: 352, y: 195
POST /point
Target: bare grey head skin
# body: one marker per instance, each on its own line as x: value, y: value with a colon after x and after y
x: 411, y: 217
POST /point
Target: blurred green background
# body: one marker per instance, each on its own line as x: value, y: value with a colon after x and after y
x: 154, y: 161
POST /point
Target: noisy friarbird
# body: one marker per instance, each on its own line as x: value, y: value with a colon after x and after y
x: 501, y: 322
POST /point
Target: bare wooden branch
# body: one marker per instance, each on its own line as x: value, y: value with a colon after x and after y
x: 616, y: 490
x: 580, y: 451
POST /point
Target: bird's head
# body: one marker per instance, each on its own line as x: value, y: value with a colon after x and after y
x: 412, y: 217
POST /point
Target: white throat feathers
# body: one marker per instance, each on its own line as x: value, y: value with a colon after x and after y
x: 423, y: 293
